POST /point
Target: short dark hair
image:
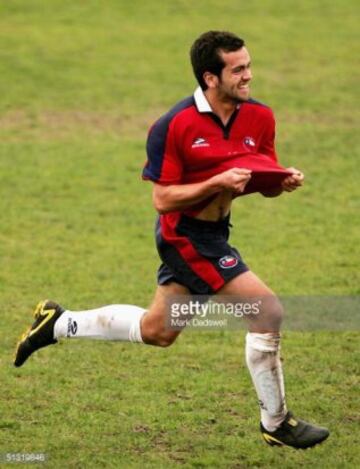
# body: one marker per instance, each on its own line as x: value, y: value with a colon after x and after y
x: 204, y: 53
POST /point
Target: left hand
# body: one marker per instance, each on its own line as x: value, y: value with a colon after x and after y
x: 292, y: 182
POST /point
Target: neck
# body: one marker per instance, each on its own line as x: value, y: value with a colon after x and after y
x: 223, y: 108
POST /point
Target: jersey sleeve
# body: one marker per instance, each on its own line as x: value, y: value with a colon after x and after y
x: 267, y: 143
x: 164, y: 164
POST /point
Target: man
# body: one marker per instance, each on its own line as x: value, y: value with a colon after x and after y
x: 213, y: 137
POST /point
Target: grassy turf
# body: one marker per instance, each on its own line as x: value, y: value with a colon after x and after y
x: 80, y: 84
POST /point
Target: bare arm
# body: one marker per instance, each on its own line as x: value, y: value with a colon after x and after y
x: 180, y: 196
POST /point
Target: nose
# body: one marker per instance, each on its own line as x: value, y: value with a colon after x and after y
x: 247, y: 76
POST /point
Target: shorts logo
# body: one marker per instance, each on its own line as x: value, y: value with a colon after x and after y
x: 227, y: 262
x: 199, y: 142
x: 71, y: 328
x: 249, y: 142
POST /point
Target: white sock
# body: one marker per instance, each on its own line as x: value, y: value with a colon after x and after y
x: 263, y: 361
x: 114, y: 322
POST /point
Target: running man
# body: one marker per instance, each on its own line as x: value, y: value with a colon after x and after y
x: 195, y: 155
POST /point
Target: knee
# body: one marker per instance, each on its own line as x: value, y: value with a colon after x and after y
x: 276, y: 311
x: 275, y: 314
x: 270, y: 316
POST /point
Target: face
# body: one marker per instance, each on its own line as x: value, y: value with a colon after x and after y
x: 233, y: 83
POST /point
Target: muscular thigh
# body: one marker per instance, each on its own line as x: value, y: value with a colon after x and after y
x: 154, y: 328
x: 248, y: 286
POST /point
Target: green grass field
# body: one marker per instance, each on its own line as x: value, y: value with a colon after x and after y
x: 80, y: 84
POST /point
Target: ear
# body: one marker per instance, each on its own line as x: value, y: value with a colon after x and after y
x: 211, y: 80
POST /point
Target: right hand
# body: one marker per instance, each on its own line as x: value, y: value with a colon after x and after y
x: 234, y: 179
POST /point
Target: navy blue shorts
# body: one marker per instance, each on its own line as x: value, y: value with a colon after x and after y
x: 196, y: 253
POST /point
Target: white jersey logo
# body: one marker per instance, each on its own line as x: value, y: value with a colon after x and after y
x: 200, y: 142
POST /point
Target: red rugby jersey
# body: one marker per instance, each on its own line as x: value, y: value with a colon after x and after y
x: 191, y: 144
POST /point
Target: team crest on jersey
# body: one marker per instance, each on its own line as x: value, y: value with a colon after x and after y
x: 199, y: 142
x: 249, y: 142
x: 228, y: 262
